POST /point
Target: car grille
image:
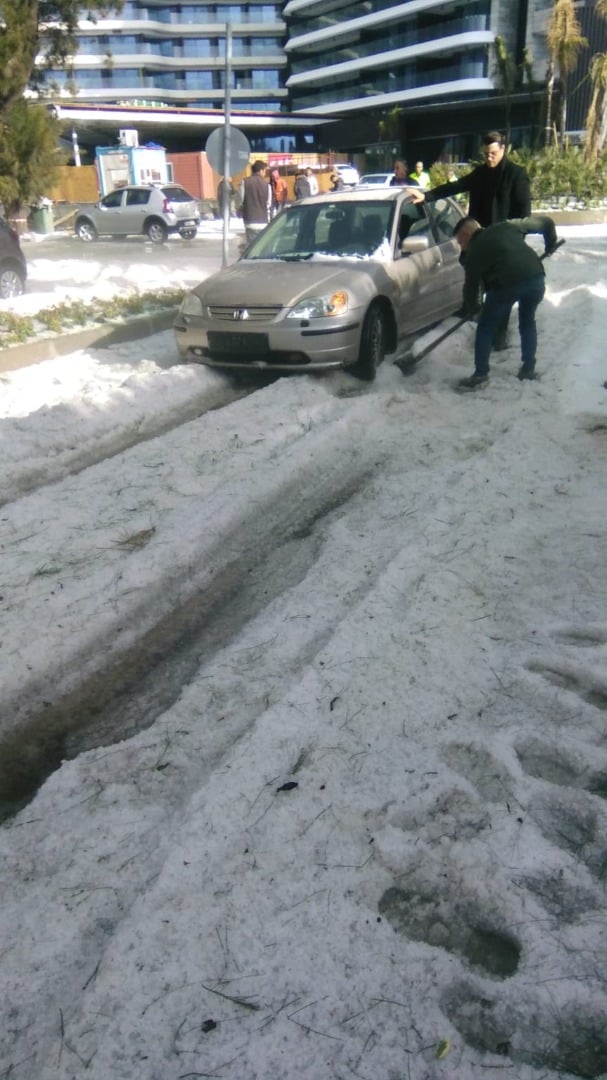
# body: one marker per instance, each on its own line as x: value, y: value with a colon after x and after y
x: 234, y: 314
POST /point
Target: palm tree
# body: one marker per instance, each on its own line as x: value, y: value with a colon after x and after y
x: 565, y: 41
x: 596, y: 117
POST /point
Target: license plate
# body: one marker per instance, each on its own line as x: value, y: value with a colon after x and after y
x: 188, y: 224
x: 232, y: 342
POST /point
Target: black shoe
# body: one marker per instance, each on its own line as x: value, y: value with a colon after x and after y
x: 473, y: 382
x: 526, y: 373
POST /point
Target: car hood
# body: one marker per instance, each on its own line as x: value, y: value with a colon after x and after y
x: 273, y: 281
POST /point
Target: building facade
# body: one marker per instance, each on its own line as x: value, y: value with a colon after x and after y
x: 159, y: 53
x: 371, y: 77
x: 432, y: 62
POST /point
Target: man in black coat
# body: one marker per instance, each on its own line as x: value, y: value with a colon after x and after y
x: 497, y: 191
x: 256, y: 201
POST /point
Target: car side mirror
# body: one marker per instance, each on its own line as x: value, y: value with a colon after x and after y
x: 413, y: 244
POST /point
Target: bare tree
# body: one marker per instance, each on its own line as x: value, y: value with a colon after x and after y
x: 508, y: 75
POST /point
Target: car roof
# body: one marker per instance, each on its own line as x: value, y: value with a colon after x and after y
x: 366, y: 193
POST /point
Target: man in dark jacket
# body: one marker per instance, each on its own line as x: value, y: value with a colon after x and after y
x: 256, y: 201
x: 501, y: 264
x: 497, y: 190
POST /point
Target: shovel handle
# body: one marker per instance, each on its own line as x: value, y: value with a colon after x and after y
x: 437, y: 341
x: 552, y: 250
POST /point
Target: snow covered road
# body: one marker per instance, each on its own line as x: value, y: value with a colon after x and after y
x: 353, y: 640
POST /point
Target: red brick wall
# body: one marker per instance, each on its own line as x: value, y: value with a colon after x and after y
x: 194, y: 173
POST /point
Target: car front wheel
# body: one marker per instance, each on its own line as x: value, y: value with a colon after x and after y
x: 86, y: 231
x: 156, y: 232
x: 372, y: 345
x: 11, y: 283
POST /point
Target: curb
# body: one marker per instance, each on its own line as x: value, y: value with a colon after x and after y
x: 103, y: 336
x: 575, y: 217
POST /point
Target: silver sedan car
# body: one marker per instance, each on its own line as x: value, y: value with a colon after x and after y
x: 334, y: 281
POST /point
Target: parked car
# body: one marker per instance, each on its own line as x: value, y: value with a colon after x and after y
x: 377, y: 179
x: 13, y: 267
x: 333, y: 281
x: 348, y: 174
x: 141, y: 209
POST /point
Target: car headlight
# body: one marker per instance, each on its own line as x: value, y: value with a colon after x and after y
x: 319, y: 307
x: 191, y: 305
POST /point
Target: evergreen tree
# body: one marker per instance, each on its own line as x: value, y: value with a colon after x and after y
x: 32, y: 28
x: 29, y: 154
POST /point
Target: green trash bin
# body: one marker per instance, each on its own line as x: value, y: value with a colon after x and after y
x: 42, y: 220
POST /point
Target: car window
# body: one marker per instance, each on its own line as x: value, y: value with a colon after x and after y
x: 137, y: 197
x: 446, y: 215
x: 177, y: 194
x: 356, y: 229
x: 113, y: 199
x: 413, y: 221
x: 353, y: 228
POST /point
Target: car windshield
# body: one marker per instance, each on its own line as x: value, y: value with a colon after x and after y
x: 352, y: 229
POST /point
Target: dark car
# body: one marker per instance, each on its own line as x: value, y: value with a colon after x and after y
x: 148, y: 209
x: 13, y: 267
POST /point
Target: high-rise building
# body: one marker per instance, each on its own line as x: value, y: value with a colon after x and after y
x: 423, y: 75
x: 357, y: 55
x: 160, y: 53
x: 432, y: 63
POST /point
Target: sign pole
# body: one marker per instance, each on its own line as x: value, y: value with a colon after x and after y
x: 227, y: 179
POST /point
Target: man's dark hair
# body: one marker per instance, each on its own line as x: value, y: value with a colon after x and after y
x: 461, y: 224
x: 258, y: 166
x: 493, y: 136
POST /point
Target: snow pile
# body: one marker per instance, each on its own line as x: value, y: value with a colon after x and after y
x: 327, y: 670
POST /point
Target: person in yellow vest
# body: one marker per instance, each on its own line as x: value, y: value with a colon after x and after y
x: 420, y: 174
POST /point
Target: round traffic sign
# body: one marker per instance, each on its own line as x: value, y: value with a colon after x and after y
x: 239, y: 150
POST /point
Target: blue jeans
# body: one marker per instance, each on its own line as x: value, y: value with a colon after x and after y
x: 495, y: 310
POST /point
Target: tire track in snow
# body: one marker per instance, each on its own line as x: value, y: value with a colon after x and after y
x: 96, y: 650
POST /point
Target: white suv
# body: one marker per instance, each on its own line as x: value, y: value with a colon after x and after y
x: 148, y: 209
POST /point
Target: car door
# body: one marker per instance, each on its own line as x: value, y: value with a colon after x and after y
x: 416, y: 269
x: 444, y: 215
x: 108, y: 216
x: 135, y: 209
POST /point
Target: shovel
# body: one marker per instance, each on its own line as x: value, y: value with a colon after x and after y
x: 410, y: 358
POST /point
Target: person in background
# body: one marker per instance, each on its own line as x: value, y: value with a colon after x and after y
x: 497, y: 191
x: 279, y: 190
x: 312, y: 181
x: 256, y: 201
x: 337, y: 183
x: 420, y: 175
x: 401, y: 176
x: 226, y: 192
x: 502, y: 265
x: 301, y: 187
